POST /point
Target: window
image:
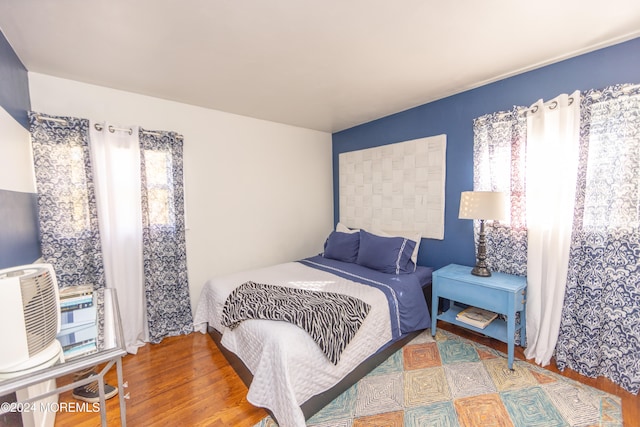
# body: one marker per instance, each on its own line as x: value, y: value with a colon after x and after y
x: 72, y: 189
x: 612, y: 189
x: 159, y: 175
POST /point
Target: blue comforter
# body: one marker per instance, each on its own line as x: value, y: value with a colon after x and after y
x: 407, y: 305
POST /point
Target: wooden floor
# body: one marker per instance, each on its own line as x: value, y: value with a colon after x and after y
x: 185, y: 381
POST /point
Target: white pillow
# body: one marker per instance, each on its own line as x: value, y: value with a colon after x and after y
x: 341, y: 228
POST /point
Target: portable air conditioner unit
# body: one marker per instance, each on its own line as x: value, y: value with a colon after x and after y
x: 29, y: 318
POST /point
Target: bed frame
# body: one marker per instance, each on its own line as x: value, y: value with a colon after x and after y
x: 319, y: 401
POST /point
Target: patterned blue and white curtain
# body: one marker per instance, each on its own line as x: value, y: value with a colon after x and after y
x: 600, y: 325
x: 499, y: 153
x: 70, y: 219
x: 164, y: 248
x: 69, y: 232
x: 600, y: 328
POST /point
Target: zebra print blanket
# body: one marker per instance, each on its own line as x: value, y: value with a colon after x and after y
x: 331, y: 319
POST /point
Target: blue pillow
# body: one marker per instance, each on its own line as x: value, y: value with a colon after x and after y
x: 390, y: 255
x: 342, y: 246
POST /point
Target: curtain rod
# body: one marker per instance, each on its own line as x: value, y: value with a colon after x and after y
x: 551, y: 106
x: 112, y: 129
x: 99, y: 127
x: 625, y: 88
x: 50, y: 119
x: 525, y: 110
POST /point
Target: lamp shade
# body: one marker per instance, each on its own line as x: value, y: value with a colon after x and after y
x: 483, y: 205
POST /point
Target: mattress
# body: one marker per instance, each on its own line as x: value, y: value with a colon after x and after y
x: 288, y: 367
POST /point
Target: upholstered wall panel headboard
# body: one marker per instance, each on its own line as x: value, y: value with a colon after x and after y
x: 395, y: 188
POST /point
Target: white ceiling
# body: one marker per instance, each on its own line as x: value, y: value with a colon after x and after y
x: 320, y: 64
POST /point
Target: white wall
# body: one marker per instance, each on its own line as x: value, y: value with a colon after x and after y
x: 16, y: 160
x: 257, y: 192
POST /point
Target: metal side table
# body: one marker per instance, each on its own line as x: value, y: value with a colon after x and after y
x: 110, y: 350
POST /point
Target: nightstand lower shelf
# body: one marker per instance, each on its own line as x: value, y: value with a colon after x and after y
x: 496, y: 329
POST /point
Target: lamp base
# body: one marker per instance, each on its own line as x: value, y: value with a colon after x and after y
x: 481, y: 271
x: 481, y: 265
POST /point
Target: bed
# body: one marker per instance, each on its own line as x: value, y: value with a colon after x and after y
x: 287, y: 371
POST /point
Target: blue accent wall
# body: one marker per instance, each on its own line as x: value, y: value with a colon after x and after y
x: 19, y: 232
x: 14, y: 84
x: 454, y: 116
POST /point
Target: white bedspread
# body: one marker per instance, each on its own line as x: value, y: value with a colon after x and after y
x: 288, y: 366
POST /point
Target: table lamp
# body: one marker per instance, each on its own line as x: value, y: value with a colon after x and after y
x: 482, y: 205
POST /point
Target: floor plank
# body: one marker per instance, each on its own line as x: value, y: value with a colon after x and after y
x: 185, y: 381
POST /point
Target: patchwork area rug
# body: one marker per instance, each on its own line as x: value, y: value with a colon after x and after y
x: 451, y: 381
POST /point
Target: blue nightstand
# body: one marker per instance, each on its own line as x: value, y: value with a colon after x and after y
x: 500, y: 293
